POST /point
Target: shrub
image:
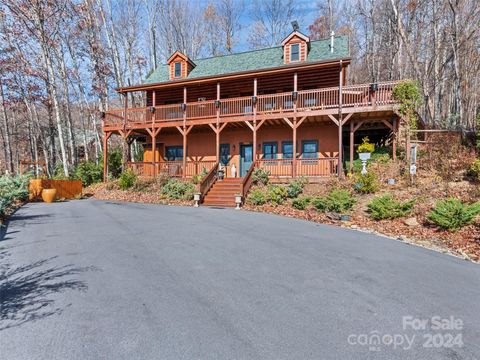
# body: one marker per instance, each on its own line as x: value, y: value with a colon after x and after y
x: 365, y: 184
x: 12, y: 189
x: 197, y: 178
x: 338, y: 200
x: 451, y: 214
x: 257, y: 197
x: 408, y: 94
x: 114, y: 162
x: 386, y: 207
x: 295, y: 187
x: 474, y: 170
x: 176, y: 189
x: 301, y: 203
x: 366, y: 146
x: 319, y: 203
x: 89, y: 172
x: 277, y: 194
x: 127, y: 179
x: 260, y: 176
x: 143, y: 185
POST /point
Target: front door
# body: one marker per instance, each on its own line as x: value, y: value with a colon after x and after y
x: 246, y: 159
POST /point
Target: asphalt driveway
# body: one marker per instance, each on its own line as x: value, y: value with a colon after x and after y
x: 100, y: 280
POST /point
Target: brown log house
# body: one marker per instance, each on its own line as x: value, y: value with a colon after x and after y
x: 254, y: 109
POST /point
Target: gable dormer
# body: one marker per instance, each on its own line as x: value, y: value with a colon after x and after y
x: 180, y: 65
x: 295, y: 47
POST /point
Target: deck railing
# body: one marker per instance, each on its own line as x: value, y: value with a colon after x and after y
x: 362, y: 95
x: 315, y: 167
x: 172, y: 168
x: 278, y: 168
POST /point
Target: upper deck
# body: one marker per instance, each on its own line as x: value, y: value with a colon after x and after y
x: 359, y: 98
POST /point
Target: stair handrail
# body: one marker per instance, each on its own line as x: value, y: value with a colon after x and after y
x: 208, y: 180
x: 247, y: 180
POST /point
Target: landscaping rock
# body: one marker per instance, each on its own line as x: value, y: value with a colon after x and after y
x: 411, y: 221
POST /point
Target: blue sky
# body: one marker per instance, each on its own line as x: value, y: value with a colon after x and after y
x: 305, y: 12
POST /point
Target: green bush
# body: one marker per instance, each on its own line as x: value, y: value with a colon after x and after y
x: 114, y: 163
x: 143, y: 184
x: 366, y: 146
x: 197, y: 178
x: 338, y: 200
x: 386, y: 207
x: 474, y: 170
x: 319, y: 203
x: 451, y: 214
x: 260, y: 176
x: 127, y: 179
x: 257, y: 197
x: 301, y: 203
x: 365, y: 184
x: 177, y: 189
x: 89, y: 172
x: 277, y: 194
x: 295, y: 187
x: 12, y: 189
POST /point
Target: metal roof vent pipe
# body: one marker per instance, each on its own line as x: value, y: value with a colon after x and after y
x: 332, y: 37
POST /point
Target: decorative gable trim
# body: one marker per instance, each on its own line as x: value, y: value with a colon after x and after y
x: 186, y: 65
x: 295, y: 34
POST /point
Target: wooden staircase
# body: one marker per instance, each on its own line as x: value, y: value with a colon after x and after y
x: 222, y: 193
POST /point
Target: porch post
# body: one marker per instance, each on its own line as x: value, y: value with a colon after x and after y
x: 154, y: 137
x: 125, y: 150
x: 352, y: 133
x: 254, y: 153
x: 340, y: 121
x: 294, y: 149
x: 105, y: 156
x: 184, y: 162
x: 217, y: 132
x: 154, y: 152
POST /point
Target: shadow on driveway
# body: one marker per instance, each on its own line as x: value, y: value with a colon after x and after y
x: 27, y: 292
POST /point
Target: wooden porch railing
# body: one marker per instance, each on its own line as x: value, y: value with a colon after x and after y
x: 361, y: 95
x: 316, y: 167
x: 208, y: 181
x: 276, y: 167
x: 247, y: 181
x: 172, y: 168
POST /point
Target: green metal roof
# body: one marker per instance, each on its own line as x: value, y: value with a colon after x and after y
x: 254, y: 60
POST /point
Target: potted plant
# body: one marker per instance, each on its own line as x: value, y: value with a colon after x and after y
x: 48, y: 195
x: 365, y: 150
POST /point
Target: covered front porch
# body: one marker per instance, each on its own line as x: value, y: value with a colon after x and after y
x: 318, y: 142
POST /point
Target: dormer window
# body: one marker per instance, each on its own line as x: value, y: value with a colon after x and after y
x: 295, y: 47
x: 179, y: 65
x: 178, y: 69
x: 294, y: 52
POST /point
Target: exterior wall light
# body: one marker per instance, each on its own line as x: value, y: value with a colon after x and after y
x: 152, y: 109
x: 374, y: 87
x: 217, y: 103
x: 183, y: 106
x: 254, y: 99
x: 294, y: 95
x: 102, y: 114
